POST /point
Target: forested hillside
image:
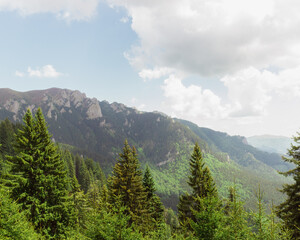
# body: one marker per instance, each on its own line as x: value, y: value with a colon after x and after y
x: 97, y: 130
x: 49, y: 193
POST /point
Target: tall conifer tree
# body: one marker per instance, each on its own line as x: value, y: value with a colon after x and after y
x: 126, y: 186
x: 82, y: 173
x: 155, y: 205
x: 235, y: 224
x: 41, y: 178
x: 289, y: 211
x: 202, y: 185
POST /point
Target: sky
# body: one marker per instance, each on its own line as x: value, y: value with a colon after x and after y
x: 229, y: 65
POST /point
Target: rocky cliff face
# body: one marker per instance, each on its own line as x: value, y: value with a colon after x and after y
x: 53, y: 102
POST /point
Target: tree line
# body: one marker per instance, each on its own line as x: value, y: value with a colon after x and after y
x: 46, y: 192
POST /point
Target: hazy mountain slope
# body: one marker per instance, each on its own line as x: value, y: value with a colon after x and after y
x: 269, y: 143
x: 98, y: 129
x: 238, y: 148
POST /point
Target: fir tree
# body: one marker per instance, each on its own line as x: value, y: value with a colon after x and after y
x: 69, y: 166
x: 148, y: 183
x: 288, y: 211
x: 202, y: 185
x: 41, y: 178
x: 208, y: 218
x: 81, y: 209
x: 82, y: 173
x: 7, y: 130
x: 235, y: 221
x: 155, y: 206
x: 126, y: 185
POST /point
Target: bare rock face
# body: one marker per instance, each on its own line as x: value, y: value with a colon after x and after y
x: 118, y: 107
x: 77, y: 98
x: 45, y: 98
x: 12, y: 106
x: 51, y: 108
x: 94, y: 110
x: 53, y: 101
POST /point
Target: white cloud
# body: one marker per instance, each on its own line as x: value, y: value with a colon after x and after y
x: 250, y: 90
x: 192, y: 101
x: 211, y: 37
x: 47, y: 71
x: 258, y: 102
x: 149, y: 74
x: 251, y: 46
x: 19, y: 74
x: 64, y: 9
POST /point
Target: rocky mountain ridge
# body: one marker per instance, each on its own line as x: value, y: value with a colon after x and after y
x: 51, y: 100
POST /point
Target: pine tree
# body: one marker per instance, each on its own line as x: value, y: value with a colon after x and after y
x: 235, y: 221
x: 288, y: 211
x: 69, y: 166
x: 126, y: 185
x: 148, y: 183
x: 155, y: 206
x: 41, y: 178
x: 208, y: 218
x: 202, y: 185
x: 82, y: 173
x: 7, y: 130
x: 81, y: 209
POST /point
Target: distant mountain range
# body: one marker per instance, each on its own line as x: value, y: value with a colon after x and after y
x: 270, y: 143
x: 98, y: 130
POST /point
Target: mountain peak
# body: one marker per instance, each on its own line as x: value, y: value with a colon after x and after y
x: 53, y: 101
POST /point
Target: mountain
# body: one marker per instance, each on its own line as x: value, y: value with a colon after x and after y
x: 270, y: 143
x: 238, y: 148
x: 98, y: 130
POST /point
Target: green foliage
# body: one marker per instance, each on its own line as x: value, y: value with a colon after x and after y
x: 237, y: 148
x: 95, y: 171
x: 148, y: 183
x: 13, y: 222
x: 265, y: 226
x: 105, y: 214
x: 82, y: 173
x: 112, y: 225
x: 208, y: 218
x: 202, y: 185
x: 171, y: 219
x: 67, y: 158
x: 165, y: 144
x: 234, y: 225
x: 126, y: 184
x: 41, y: 178
x: 80, y: 204
x: 288, y: 211
x: 7, y: 131
x: 154, y: 205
